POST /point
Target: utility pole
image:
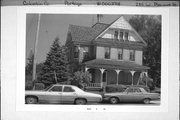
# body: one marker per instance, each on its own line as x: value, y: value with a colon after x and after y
x: 35, y: 51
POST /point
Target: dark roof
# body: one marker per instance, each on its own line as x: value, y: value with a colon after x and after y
x: 114, y: 64
x: 100, y: 26
x: 82, y: 33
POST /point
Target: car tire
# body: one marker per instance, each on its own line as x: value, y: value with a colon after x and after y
x: 80, y: 102
x: 146, y: 101
x: 31, y: 100
x: 114, y: 100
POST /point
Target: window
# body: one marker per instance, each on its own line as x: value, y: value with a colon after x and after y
x: 107, y: 53
x: 86, y: 52
x: 121, y: 35
x: 76, y: 52
x: 56, y: 89
x: 116, y: 35
x: 68, y: 89
x: 132, y: 55
x: 126, y: 36
x: 120, y: 54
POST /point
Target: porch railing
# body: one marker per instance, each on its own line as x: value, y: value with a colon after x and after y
x: 93, y: 85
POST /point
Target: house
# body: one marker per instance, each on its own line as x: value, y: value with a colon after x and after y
x: 112, y: 53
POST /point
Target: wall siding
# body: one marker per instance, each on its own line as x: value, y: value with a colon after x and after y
x: 138, y: 57
x: 100, y: 52
x: 114, y: 53
x: 125, y: 54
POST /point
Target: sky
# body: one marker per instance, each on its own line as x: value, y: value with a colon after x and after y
x: 55, y: 25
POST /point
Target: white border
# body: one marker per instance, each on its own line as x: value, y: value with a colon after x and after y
x: 21, y: 38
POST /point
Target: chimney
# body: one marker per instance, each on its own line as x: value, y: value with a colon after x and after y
x: 99, y: 16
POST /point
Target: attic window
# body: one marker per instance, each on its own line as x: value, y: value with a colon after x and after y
x: 126, y: 36
x: 121, y: 35
x: 116, y: 35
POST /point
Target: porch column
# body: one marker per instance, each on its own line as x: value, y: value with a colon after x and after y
x: 117, y: 71
x: 146, y: 77
x: 102, y: 71
x: 132, y: 73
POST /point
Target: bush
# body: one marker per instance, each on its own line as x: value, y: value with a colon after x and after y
x: 28, y: 85
x: 39, y: 86
x: 115, y: 88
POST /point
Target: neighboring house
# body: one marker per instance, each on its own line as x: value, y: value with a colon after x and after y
x: 112, y: 53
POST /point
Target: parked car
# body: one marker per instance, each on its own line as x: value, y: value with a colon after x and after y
x: 61, y: 94
x: 131, y: 94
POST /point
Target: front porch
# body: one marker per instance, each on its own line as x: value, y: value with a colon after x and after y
x: 109, y: 72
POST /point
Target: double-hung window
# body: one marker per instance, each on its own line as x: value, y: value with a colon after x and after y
x: 126, y: 36
x: 76, y: 52
x: 120, y: 54
x: 132, y: 55
x: 107, y: 53
x: 121, y: 36
x: 116, y: 35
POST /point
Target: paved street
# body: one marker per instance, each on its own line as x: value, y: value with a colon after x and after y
x: 154, y: 103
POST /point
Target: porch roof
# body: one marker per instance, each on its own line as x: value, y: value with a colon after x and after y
x: 115, y: 64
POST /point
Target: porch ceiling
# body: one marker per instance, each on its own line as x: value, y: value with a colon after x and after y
x: 115, y: 64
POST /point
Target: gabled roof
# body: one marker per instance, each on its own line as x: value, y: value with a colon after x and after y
x: 81, y: 33
x: 114, y: 64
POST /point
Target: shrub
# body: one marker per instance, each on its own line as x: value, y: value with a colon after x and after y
x: 115, y: 88
x: 28, y: 85
x: 39, y: 86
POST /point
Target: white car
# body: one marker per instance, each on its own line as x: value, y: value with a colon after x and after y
x: 61, y: 94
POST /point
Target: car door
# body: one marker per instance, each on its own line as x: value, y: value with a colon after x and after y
x: 68, y: 94
x: 136, y: 95
x: 128, y: 95
x: 53, y: 95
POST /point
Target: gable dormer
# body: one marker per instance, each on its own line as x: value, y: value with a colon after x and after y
x: 120, y: 30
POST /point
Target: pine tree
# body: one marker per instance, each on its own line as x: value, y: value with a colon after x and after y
x: 55, y: 65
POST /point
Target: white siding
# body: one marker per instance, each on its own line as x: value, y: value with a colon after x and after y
x: 125, y: 54
x: 113, y: 53
x: 138, y: 57
x: 108, y: 34
x: 99, y: 52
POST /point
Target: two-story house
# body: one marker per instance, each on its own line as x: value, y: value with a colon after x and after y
x: 112, y: 53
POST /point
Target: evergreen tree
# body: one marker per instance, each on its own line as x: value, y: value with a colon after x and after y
x: 29, y: 65
x: 55, y: 65
x: 149, y: 28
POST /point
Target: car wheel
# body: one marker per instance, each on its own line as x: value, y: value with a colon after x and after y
x: 114, y: 100
x: 31, y: 100
x: 80, y: 101
x: 146, y: 101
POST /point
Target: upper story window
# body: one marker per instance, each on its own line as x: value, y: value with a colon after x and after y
x: 107, y: 53
x: 120, y: 54
x: 76, y: 52
x: 132, y: 55
x: 126, y: 36
x: 116, y: 35
x: 121, y: 36
x: 85, y: 52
